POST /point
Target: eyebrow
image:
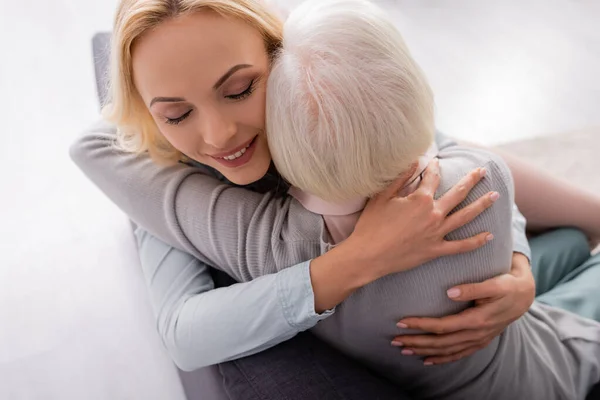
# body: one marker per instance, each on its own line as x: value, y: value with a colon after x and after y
x: 217, y: 85
x: 228, y: 74
x: 166, y: 100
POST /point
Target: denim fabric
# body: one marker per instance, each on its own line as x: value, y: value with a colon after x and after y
x: 304, y: 368
x: 595, y: 393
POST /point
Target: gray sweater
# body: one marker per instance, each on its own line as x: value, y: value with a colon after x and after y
x: 194, y: 212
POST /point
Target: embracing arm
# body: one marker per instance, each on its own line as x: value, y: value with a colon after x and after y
x: 498, y: 301
x: 157, y: 198
x: 201, y: 325
x: 520, y: 242
x: 243, y: 233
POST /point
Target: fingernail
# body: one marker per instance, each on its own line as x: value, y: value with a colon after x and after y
x: 396, y: 343
x: 407, y: 352
x: 401, y: 325
x: 482, y: 172
x: 427, y: 363
x: 489, y: 238
x: 494, y: 196
x: 453, y: 293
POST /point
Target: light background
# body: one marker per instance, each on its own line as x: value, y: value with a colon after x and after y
x: 501, y: 71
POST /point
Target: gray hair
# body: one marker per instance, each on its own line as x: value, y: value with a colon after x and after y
x: 348, y: 109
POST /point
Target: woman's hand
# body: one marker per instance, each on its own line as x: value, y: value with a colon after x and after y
x: 396, y: 234
x: 498, y: 302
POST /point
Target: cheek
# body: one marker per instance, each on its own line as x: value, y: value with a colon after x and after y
x: 254, y: 113
x: 182, y: 139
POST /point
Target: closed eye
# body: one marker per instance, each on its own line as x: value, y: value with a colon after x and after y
x: 242, y: 95
x: 176, y: 121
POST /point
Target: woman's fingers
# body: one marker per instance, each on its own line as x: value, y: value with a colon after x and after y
x: 429, y: 344
x: 437, y: 360
x: 431, y: 179
x: 449, y: 247
x: 492, y: 288
x: 445, y: 348
x: 470, y: 212
x: 437, y: 352
x: 460, y: 191
x: 467, y: 319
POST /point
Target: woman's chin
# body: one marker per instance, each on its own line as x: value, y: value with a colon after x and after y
x: 248, y: 174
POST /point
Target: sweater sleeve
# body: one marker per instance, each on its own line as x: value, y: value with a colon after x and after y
x: 520, y: 242
x: 200, y: 325
x: 243, y: 233
x: 194, y: 212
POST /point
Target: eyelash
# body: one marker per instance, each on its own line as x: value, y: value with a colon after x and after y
x: 176, y: 121
x: 239, y: 96
x: 244, y: 94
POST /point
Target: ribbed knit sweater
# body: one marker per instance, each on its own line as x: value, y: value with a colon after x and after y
x: 547, y: 354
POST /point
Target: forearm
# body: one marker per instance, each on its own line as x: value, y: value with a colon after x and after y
x: 519, y: 223
x: 200, y: 325
x: 520, y: 242
x: 337, y: 274
x: 245, y: 234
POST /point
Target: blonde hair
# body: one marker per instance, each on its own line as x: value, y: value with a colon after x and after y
x: 348, y: 109
x: 137, y: 131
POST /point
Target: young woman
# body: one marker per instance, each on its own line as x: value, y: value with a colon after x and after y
x: 189, y: 78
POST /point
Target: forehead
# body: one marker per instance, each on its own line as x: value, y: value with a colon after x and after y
x: 194, y: 50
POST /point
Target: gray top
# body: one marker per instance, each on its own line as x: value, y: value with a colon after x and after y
x: 268, y: 234
x: 189, y: 209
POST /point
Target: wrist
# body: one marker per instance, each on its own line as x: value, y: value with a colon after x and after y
x: 356, y: 262
x: 521, y: 270
x: 337, y: 274
x: 520, y: 264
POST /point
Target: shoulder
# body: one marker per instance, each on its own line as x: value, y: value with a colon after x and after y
x: 456, y: 161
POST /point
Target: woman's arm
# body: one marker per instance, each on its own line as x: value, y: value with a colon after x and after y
x: 150, y: 195
x: 247, y: 234
x: 201, y: 325
x: 188, y: 314
x: 243, y: 233
x: 520, y: 243
x: 498, y: 301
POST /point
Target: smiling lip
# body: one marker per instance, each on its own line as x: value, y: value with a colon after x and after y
x: 250, y: 146
x: 232, y: 151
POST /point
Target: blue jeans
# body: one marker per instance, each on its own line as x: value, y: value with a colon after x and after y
x: 304, y: 368
x: 566, y: 275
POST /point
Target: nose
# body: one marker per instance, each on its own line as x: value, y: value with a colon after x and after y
x: 217, y: 130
